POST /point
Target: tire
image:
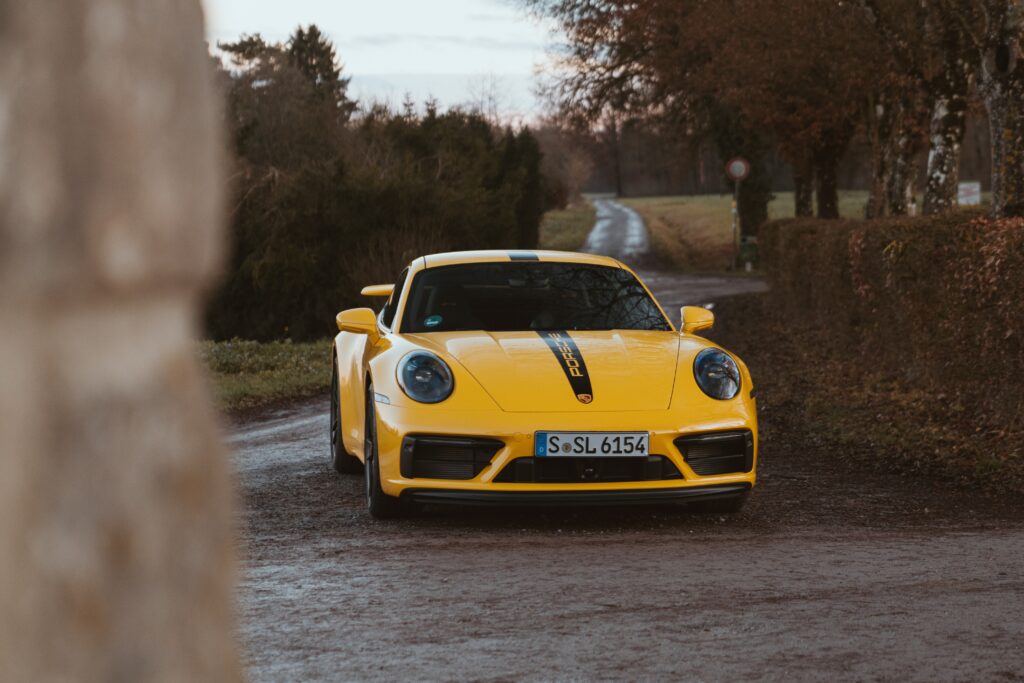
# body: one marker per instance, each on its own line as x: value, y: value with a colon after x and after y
x: 379, y: 504
x: 343, y: 461
x: 719, y: 506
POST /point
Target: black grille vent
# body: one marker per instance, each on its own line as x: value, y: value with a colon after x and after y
x: 718, y: 453
x: 437, y: 457
x: 565, y: 470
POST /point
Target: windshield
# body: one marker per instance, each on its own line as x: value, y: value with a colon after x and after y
x: 505, y: 297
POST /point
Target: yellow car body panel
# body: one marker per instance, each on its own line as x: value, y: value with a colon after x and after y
x: 518, y: 372
x: 509, y: 385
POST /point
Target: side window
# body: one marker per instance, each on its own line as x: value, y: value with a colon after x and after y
x: 391, y: 307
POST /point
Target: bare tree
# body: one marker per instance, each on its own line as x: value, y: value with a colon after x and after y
x: 1001, y: 82
x: 927, y: 90
x: 949, y: 89
x: 994, y: 30
x: 116, y: 552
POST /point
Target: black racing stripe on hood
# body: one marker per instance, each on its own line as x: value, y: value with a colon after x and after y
x: 571, y: 360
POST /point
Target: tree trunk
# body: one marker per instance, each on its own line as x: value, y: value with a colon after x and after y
x: 826, y: 165
x: 948, y: 122
x: 826, y: 159
x: 803, y: 187
x: 1006, y: 121
x: 754, y: 197
x: 115, y: 498
x: 893, y: 149
x: 734, y: 139
x: 899, y: 189
x: 1001, y: 82
x: 946, y: 134
x: 879, y: 124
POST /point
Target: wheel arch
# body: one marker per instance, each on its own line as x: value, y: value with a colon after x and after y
x: 348, y: 352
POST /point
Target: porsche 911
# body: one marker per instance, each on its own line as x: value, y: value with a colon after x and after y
x: 537, y: 378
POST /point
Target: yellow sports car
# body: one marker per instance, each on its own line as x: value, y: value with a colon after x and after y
x: 536, y: 377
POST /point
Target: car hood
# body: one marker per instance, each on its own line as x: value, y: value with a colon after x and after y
x: 616, y: 370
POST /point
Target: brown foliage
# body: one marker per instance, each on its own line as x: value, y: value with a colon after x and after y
x: 937, y: 304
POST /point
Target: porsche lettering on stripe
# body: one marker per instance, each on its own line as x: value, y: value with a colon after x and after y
x: 571, y: 360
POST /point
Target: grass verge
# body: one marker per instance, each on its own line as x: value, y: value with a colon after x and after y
x: 694, y: 232
x: 249, y: 374
x: 567, y: 229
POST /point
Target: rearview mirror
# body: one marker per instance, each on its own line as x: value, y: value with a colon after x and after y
x: 357, y: 320
x: 696, y: 318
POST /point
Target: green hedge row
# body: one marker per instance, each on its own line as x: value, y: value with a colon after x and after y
x: 936, y: 302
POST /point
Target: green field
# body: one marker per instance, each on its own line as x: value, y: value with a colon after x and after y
x: 567, y: 229
x: 694, y: 232
x: 248, y: 374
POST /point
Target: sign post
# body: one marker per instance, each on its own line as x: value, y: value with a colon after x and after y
x: 738, y: 168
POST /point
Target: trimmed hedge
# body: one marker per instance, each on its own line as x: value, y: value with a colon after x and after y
x: 937, y: 302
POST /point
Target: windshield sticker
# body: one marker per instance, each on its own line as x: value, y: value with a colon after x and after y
x: 571, y: 360
x: 432, y: 321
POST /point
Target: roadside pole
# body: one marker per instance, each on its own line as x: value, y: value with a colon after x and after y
x: 737, y: 169
x: 735, y: 224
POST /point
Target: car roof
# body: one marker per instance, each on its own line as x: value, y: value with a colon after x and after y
x: 505, y: 255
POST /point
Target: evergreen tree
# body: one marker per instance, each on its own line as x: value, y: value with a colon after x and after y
x: 310, y: 51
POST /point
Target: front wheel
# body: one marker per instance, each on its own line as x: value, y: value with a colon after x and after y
x: 380, y: 504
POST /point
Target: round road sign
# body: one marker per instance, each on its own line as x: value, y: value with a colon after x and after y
x: 738, y: 168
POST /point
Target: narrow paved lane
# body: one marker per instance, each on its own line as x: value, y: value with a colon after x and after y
x: 620, y: 232
x: 831, y: 572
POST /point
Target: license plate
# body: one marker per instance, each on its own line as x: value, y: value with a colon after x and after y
x: 591, y: 444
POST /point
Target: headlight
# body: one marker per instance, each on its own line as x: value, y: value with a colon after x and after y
x: 425, y: 378
x: 717, y: 374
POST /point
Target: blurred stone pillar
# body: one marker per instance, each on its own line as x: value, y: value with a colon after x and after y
x: 116, y: 551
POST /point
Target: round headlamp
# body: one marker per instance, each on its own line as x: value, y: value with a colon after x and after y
x: 425, y: 378
x: 717, y: 374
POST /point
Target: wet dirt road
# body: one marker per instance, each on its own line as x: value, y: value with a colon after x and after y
x: 832, y: 571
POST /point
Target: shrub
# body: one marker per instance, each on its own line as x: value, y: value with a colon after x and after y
x: 936, y: 302
x: 325, y: 203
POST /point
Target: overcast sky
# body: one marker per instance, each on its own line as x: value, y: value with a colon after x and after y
x: 450, y: 49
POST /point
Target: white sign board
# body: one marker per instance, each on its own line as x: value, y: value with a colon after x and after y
x: 969, y: 194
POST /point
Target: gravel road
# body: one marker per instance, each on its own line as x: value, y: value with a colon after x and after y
x: 831, y: 572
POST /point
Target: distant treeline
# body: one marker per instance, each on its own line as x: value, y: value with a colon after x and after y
x: 903, y: 87
x: 648, y: 159
x: 328, y: 198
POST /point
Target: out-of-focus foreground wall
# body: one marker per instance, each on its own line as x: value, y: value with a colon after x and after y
x: 116, y: 552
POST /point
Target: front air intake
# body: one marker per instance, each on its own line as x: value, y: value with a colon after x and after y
x: 443, y: 457
x: 718, y: 452
x: 568, y: 470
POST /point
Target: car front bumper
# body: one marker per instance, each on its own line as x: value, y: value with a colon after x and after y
x: 516, y: 432
x: 678, y: 494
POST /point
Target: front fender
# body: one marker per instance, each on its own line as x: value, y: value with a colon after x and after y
x: 351, y: 352
x: 689, y: 399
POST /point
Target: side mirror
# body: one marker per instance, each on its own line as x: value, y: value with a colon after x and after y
x: 358, y: 321
x: 696, y: 318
